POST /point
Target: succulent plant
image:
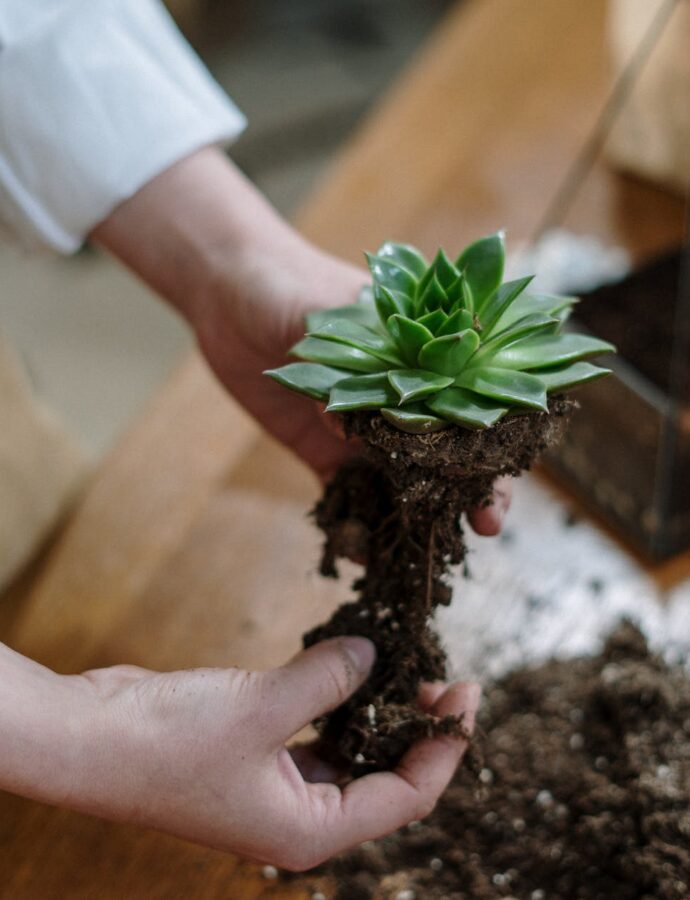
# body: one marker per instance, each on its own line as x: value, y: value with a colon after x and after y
x: 429, y: 345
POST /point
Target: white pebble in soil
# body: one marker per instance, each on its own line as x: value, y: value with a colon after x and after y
x: 577, y: 742
x: 544, y: 799
x: 269, y: 872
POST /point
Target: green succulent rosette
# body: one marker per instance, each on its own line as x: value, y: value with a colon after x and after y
x: 432, y: 344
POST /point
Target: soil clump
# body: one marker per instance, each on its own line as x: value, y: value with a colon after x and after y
x: 397, y: 509
x: 583, y: 792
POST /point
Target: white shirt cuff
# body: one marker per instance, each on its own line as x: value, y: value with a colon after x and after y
x: 95, y: 100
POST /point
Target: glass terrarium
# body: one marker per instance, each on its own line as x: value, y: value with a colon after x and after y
x: 627, y: 452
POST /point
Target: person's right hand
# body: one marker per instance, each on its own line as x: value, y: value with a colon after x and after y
x: 201, y: 754
x: 209, y: 243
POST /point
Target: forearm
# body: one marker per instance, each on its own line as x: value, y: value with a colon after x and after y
x: 189, y: 227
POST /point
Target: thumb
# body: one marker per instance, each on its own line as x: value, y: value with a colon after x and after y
x: 317, y: 680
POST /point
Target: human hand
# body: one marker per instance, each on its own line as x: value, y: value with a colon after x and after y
x: 255, y: 314
x: 201, y: 754
x: 209, y: 243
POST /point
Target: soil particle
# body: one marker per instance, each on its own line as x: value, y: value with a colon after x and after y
x: 397, y: 509
x: 584, y: 793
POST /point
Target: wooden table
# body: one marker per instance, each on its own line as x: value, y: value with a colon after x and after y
x: 164, y: 563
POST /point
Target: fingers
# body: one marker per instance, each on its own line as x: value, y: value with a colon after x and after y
x: 316, y: 681
x: 488, y: 520
x: 429, y: 693
x: 430, y: 764
x: 315, y: 770
x: 378, y: 804
x: 340, y: 449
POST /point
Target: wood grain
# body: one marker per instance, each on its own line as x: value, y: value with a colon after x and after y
x: 164, y: 563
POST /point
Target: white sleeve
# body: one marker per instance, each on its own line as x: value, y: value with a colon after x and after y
x: 96, y: 98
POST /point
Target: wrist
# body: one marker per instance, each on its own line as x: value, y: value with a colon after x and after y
x: 47, y: 728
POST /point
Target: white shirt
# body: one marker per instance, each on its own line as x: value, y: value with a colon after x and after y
x: 96, y: 98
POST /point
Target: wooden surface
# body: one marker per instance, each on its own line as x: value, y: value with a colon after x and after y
x: 165, y: 562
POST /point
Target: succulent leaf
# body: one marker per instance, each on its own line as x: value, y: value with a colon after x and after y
x: 499, y: 302
x: 460, y: 320
x: 544, y: 351
x: 482, y: 264
x: 465, y: 408
x: 433, y: 345
x: 341, y: 356
x: 455, y: 293
x: 410, y: 336
x: 405, y: 255
x: 415, y: 419
x: 388, y: 303
x: 446, y: 273
x: 467, y: 296
x: 344, y: 331
x: 526, y: 326
x: 308, y: 378
x: 362, y: 392
x: 385, y: 304
x: 448, y: 354
x: 433, y: 297
x: 392, y: 275
x: 564, y: 378
x: 434, y: 320
x: 529, y: 303
x: 506, y: 385
x: 356, y: 312
x: 413, y: 384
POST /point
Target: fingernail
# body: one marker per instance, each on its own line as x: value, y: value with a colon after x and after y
x: 473, y: 696
x: 361, y: 651
x: 474, y: 693
x: 501, y: 503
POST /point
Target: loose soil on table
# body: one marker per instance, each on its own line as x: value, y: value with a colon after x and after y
x: 583, y: 792
x: 397, y: 509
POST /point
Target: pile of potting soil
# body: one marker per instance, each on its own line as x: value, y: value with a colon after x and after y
x: 583, y: 791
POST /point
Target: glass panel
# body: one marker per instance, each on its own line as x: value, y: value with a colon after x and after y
x: 628, y: 449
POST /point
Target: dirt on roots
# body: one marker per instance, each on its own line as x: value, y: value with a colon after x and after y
x: 396, y: 508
